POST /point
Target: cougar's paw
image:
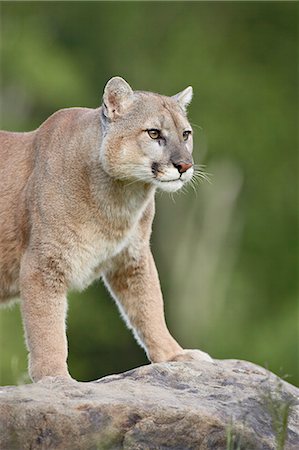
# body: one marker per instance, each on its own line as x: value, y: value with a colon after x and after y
x: 192, y: 355
x: 56, y: 380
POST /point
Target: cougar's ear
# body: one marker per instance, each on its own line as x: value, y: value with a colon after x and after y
x: 184, y: 98
x: 118, y: 96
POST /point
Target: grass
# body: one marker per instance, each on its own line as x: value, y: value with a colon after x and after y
x: 233, y: 439
x: 279, y: 407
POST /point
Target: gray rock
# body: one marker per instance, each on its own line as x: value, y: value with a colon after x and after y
x: 227, y: 405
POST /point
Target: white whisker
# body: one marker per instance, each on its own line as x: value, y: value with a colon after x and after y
x: 195, y: 125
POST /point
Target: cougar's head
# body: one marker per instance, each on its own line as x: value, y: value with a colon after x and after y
x: 146, y: 136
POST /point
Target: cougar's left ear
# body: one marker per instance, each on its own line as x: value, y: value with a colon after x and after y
x: 118, y: 96
x: 184, y: 98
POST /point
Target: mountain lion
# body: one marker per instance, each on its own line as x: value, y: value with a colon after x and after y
x: 77, y: 204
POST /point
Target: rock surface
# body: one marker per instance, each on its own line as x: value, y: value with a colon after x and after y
x: 227, y: 405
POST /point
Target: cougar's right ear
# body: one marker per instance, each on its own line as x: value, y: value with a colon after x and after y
x: 118, y: 96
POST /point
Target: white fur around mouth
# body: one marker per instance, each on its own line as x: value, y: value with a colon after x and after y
x: 169, y: 185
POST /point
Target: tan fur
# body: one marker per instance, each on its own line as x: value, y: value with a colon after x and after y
x: 77, y: 203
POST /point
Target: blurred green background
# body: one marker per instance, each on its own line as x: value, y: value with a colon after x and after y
x: 227, y: 256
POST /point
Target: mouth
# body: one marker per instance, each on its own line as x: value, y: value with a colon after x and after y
x: 170, y: 181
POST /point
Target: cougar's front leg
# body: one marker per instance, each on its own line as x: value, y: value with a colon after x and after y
x: 43, y: 305
x: 135, y: 285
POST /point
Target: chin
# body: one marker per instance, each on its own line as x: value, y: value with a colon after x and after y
x: 169, y: 186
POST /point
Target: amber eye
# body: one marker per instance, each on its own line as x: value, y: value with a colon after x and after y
x: 186, y: 134
x: 153, y: 133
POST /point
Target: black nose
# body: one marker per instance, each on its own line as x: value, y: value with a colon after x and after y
x: 182, y: 167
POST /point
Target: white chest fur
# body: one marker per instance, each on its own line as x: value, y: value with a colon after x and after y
x: 99, y: 240
x: 95, y: 248
x: 89, y: 258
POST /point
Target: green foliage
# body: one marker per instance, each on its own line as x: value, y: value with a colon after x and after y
x: 277, y: 405
x: 233, y: 440
x: 227, y: 257
x: 279, y: 409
